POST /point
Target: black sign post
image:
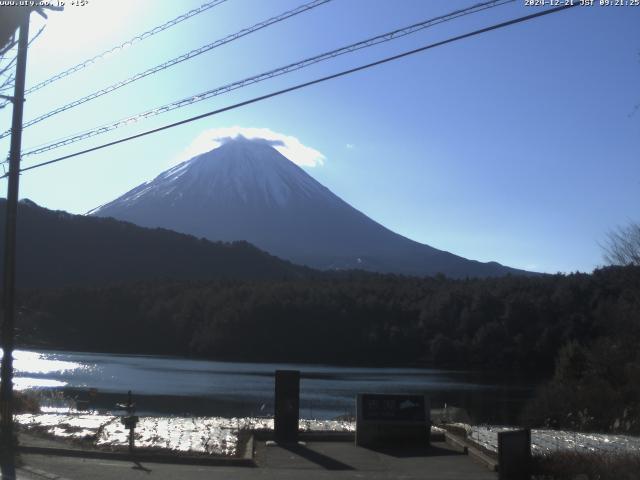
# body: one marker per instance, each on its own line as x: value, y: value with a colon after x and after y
x: 287, y: 411
x: 130, y: 420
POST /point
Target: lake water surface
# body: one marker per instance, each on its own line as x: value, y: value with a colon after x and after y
x: 169, y: 385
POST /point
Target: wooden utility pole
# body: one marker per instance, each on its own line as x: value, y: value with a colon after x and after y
x: 8, y: 286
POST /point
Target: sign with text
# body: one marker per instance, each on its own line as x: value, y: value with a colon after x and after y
x: 390, y: 419
x: 393, y: 407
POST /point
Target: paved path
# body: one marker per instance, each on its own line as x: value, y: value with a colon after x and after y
x: 316, y: 460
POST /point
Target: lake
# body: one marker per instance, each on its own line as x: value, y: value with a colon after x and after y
x: 179, y: 386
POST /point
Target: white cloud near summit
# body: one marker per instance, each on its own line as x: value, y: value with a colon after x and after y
x: 287, y: 145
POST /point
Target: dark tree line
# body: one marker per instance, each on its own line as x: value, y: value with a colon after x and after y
x: 596, y: 382
x: 516, y: 323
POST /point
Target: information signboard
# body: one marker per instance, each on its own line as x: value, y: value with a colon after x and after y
x: 391, y: 419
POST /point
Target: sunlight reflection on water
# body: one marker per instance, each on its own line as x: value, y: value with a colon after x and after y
x: 41, y: 363
x: 31, y: 369
x: 24, y: 383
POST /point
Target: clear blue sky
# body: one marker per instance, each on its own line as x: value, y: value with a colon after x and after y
x: 518, y: 146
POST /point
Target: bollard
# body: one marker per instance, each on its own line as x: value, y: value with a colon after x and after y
x: 287, y: 406
x: 514, y: 455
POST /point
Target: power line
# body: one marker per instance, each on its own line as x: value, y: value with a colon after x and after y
x: 174, y: 61
x: 138, y: 38
x: 385, y: 37
x: 7, y: 82
x: 305, y: 84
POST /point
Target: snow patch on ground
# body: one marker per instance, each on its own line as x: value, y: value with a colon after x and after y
x: 546, y: 441
x: 211, y: 435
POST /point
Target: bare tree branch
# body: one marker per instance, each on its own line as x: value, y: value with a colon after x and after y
x: 35, y: 37
x: 7, y: 82
x: 8, y: 66
x: 623, y: 245
x: 12, y: 43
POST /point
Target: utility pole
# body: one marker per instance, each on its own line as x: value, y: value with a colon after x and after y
x: 9, y: 287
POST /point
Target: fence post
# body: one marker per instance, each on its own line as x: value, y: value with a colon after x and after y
x: 514, y: 455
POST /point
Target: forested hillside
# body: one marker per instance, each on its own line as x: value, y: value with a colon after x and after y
x: 56, y: 248
x: 517, y: 323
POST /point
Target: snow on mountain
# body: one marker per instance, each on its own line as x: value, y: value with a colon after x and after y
x: 247, y: 190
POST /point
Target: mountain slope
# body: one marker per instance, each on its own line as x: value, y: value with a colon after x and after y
x: 56, y: 248
x: 247, y: 190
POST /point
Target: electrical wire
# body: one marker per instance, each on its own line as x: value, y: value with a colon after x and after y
x: 305, y: 84
x: 174, y: 61
x: 385, y: 37
x: 128, y: 43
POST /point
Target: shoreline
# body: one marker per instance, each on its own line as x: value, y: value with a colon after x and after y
x: 170, y: 356
x: 422, y: 366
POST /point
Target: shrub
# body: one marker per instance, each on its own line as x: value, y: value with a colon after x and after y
x: 600, y: 466
x: 25, y: 402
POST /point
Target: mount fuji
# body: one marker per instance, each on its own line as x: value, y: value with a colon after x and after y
x: 246, y: 190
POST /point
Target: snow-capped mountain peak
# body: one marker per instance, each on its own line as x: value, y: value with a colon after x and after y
x: 240, y: 169
x: 247, y: 190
